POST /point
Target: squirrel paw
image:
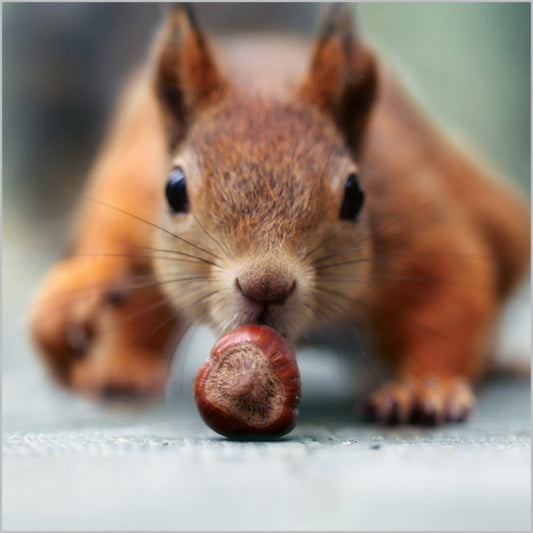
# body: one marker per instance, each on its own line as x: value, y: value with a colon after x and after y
x: 427, y: 403
x: 95, y: 336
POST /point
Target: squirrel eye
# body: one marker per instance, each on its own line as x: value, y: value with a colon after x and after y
x: 353, y: 200
x: 176, y: 191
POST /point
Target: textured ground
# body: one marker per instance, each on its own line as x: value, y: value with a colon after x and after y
x: 69, y: 465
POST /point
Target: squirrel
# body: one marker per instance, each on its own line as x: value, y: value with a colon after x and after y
x: 287, y: 183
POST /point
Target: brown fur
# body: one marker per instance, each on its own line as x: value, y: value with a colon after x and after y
x: 437, y: 246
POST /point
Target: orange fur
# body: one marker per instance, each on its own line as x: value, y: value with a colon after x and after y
x: 436, y: 248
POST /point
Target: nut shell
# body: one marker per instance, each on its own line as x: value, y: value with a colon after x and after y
x: 250, y: 384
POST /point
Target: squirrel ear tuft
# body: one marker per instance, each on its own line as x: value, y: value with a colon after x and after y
x: 186, y: 77
x: 342, y: 77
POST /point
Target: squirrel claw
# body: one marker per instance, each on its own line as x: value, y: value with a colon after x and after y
x: 421, y: 403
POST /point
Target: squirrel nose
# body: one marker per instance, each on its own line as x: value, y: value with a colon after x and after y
x: 271, y: 287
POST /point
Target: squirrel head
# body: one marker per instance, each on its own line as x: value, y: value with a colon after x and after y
x: 263, y: 210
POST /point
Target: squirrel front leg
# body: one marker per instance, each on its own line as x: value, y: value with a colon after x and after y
x: 100, y: 320
x: 102, y: 333
x: 434, y: 332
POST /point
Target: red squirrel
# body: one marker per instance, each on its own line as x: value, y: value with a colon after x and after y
x: 290, y: 184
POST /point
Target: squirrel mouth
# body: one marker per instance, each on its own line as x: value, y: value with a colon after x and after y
x: 262, y: 319
x: 268, y: 317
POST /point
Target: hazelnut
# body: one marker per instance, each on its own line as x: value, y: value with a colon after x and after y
x: 250, y: 384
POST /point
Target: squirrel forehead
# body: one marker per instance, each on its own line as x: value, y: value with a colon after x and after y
x: 266, y: 165
x: 257, y: 136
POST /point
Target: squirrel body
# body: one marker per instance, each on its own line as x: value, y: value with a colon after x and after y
x: 305, y: 190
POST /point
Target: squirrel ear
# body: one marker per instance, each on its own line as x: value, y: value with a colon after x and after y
x: 342, y: 78
x: 186, y: 77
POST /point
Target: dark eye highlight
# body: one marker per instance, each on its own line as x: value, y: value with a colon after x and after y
x: 353, y: 200
x: 176, y: 191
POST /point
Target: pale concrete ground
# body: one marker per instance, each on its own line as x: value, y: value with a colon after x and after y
x: 70, y: 465
x: 168, y: 471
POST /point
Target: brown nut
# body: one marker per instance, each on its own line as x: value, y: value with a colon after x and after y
x: 250, y: 384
